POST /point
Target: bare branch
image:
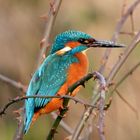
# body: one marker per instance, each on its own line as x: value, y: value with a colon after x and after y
x: 66, y: 101
x: 63, y: 124
x: 117, y: 31
x: 13, y: 83
x: 101, y: 114
x: 127, y: 103
x: 125, y: 77
x: 45, y: 42
x: 133, y: 44
x: 17, y: 99
x: 120, y: 82
x: 19, y: 131
x: 87, y: 113
x: 123, y: 58
x: 23, y: 88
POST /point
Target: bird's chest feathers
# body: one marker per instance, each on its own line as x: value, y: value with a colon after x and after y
x: 77, y: 70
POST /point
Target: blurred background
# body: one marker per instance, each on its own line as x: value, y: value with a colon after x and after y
x: 21, y: 30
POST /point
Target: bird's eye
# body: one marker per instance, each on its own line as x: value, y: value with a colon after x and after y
x: 83, y: 41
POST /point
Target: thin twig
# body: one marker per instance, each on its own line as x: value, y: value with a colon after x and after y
x: 123, y: 7
x: 44, y: 44
x: 120, y: 82
x: 13, y: 83
x: 65, y: 126
x: 125, y: 77
x: 128, y: 33
x: 19, y: 131
x: 17, y: 99
x: 128, y: 104
x: 23, y: 88
x: 101, y: 113
x: 65, y: 104
x: 86, y: 114
x: 132, y: 22
x: 123, y: 58
x: 117, y: 31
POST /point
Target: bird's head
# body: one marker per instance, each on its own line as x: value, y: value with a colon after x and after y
x: 75, y: 41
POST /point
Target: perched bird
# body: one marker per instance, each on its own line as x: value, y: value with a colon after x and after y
x: 66, y: 64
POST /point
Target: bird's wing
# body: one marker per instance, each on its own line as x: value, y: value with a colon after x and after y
x: 48, y: 79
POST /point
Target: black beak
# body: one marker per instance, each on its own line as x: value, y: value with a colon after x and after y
x: 104, y: 44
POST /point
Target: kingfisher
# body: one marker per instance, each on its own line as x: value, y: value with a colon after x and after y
x: 65, y: 64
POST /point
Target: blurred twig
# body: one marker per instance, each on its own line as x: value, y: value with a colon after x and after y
x: 17, y: 99
x: 65, y: 102
x: 127, y: 103
x: 120, y: 82
x: 54, y: 7
x: 112, y: 74
x: 50, y: 19
x: 23, y: 88
x: 86, y: 115
x: 123, y: 58
x: 13, y: 83
x: 66, y: 127
x: 125, y: 77
x: 101, y: 113
x: 121, y: 22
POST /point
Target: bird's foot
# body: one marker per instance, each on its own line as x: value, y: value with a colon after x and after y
x: 108, y: 104
x: 64, y: 109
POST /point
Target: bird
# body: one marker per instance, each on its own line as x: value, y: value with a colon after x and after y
x: 66, y: 63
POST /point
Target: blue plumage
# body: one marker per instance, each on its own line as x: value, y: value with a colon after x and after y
x: 52, y: 74
x: 47, y: 80
x: 63, y: 38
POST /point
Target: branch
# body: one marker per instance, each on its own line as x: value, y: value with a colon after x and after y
x: 128, y: 104
x: 120, y: 82
x: 101, y: 114
x: 23, y: 88
x: 117, y: 31
x: 65, y: 103
x: 86, y: 114
x: 63, y: 124
x: 125, y: 77
x: 13, y: 83
x: 96, y: 96
x: 123, y: 58
x: 17, y: 99
x: 44, y: 44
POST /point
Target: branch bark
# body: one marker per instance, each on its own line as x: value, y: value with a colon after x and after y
x: 96, y: 96
x: 119, y: 26
x: 17, y: 99
x: 87, y: 113
x: 44, y: 44
x: 13, y: 83
x: 123, y: 58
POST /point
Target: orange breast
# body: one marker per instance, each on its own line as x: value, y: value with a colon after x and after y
x: 75, y: 72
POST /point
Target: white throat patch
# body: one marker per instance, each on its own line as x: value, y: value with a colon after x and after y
x: 64, y: 50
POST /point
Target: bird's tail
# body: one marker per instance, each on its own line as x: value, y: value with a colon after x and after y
x: 29, y: 112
